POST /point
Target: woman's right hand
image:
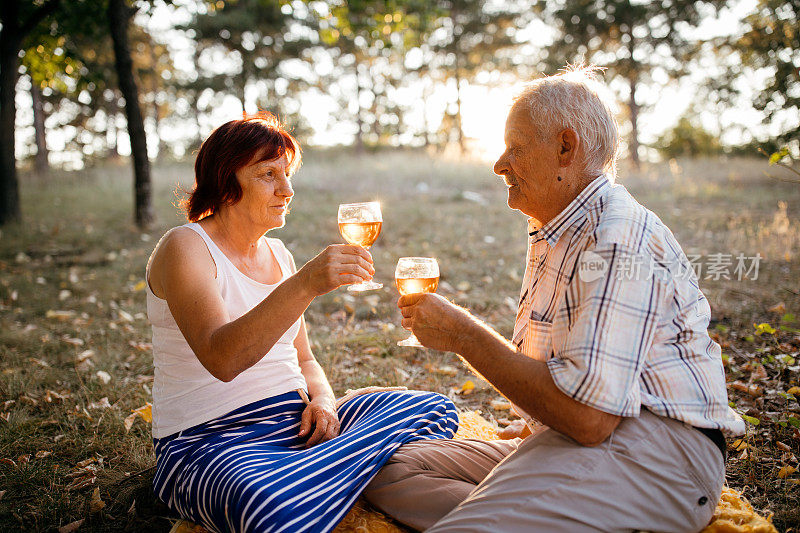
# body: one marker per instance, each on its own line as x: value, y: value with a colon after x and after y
x: 337, y: 265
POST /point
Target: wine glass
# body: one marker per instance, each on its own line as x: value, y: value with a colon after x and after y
x: 360, y: 224
x: 415, y: 275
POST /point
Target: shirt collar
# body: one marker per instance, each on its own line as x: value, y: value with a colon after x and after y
x: 572, y: 214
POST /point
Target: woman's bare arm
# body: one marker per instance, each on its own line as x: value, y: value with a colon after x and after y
x: 183, y: 272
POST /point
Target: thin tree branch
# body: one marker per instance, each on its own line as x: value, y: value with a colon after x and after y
x: 784, y: 165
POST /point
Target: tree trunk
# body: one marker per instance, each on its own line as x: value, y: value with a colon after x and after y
x: 633, y: 107
x: 11, y: 34
x: 111, y: 126
x: 118, y: 17
x: 426, y: 94
x: 156, y: 110
x: 459, y: 128
x: 634, y: 110
x: 10, y: 41
x: 359, y: 123
x: 242, y: 86
x: 41, y: 163
x: 195, y: 95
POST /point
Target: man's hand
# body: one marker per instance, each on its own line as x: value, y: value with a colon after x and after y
x: 516, y: 429
x: 436, y: 322
x: 321, y: 415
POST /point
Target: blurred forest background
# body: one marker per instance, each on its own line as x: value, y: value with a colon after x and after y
x: 85, y: 81
x: 103, y: 103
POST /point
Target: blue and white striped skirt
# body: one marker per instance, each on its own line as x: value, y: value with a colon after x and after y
x: 248, y: 470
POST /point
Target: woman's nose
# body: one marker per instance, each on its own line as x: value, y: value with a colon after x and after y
x: 285, y: 188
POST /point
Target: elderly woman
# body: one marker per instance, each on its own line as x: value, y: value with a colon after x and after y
x: 247, y: 433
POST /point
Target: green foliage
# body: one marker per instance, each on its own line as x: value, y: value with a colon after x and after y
x: 631, y: 40
x: 688, y: 138
x: 771, y: 41
x: 753, y: 421
x: 764, y: 328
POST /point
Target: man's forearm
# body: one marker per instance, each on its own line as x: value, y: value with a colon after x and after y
x: 527, y: 383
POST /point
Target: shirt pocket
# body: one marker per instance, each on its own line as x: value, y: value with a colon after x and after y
x: 538, y: 340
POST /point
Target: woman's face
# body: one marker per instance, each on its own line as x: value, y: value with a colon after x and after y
x: 266, y: 191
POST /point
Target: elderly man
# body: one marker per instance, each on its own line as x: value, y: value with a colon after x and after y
x: 610, y: 353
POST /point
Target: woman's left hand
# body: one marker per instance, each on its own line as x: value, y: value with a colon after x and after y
x: 321, y: 415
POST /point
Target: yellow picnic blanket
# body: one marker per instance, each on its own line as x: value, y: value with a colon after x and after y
x: 733, y: 514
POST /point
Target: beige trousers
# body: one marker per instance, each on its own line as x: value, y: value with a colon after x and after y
x: 652, y: 474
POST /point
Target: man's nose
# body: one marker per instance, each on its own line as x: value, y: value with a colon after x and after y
x: 501, y: 167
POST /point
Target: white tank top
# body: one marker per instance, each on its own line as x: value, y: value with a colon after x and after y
x: 184, y: 392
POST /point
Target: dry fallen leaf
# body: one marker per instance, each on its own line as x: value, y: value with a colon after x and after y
x: 739, y: 445
x: 51, y: 396
x: 778, y: 308
x: 500, y: 405
x: 146, y: 412
x: 96, y: 504
x: 467, y: 387
x: 141, y: 346
x: 41, y: 362
x: 444, y: 370
x: 59, y: 315
x: 786, y: 471
x: 794, y: 390
x: 41, y: 454
x: 72, y: 526
x: 129, y: 420
x: 74, y: 341
x: 103, y: 376
x: 102, y: 403
x: 84, y: 355
x: 760, y: 373
x: 140, y: 286
x: 752, y: 390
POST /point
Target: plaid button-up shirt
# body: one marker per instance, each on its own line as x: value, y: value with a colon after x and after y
x: 611, y: 303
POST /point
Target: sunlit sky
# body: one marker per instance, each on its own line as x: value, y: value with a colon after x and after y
x: 484, y: 107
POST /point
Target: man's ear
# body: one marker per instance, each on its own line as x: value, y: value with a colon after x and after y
x: 568, y: 146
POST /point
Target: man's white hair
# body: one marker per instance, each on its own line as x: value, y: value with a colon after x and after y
x: 575, y: 99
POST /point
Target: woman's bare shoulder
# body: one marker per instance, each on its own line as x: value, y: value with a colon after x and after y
x: 179, y: 248
x: 179, y: 242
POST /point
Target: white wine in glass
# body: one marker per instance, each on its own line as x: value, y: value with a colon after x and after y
x: 415, y: 275
x: 360, y: 224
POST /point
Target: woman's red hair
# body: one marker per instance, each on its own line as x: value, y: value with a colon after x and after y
x: 229, y: 148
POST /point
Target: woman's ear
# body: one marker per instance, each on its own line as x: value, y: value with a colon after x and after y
x: 568, y: 147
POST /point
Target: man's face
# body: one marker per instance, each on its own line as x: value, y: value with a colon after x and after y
x: 529, y: 166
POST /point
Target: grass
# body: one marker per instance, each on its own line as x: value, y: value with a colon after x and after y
x: 78, y: 252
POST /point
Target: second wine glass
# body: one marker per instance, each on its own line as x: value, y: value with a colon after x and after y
x: 360, y: 224
x: 415, y: 275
